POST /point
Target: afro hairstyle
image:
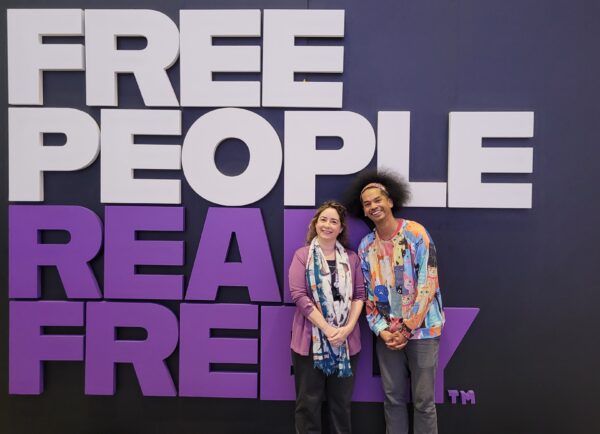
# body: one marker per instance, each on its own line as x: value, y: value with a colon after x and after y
x: 397, y: 190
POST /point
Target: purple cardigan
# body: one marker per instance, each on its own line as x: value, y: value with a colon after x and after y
x: 302, y: 296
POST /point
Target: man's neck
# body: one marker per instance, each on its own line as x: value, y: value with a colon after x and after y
x: 387, y: 228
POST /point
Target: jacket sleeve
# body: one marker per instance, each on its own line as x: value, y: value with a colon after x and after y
x: 376, y: 321
x: 298, y: 285
x: 427, y: 280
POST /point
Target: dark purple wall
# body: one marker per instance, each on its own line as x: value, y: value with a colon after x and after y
x: 531, y: 355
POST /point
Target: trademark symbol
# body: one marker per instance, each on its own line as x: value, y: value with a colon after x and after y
x: 465, y: 396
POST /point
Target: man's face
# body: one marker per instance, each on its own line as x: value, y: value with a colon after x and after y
x: 376, y: 205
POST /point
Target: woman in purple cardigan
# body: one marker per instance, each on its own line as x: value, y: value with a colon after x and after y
x: 326, y: 283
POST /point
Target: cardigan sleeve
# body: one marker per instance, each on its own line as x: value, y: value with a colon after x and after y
x: 358, y: 279
x: 297, y: 281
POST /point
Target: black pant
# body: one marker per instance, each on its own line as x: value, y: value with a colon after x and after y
x: 312, y: 386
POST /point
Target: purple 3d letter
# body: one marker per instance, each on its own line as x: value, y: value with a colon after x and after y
x: 276, y: 380
x: 148, y: 356
x: 197, y: 350
x: 255, y: 270
x: 458, y: 322
x: 27, y: 253
x: 123, y: 252
x: 28, y: 347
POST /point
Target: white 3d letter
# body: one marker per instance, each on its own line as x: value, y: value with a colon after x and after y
x: 28, y: 158
x: 120, y: 156
x: 282, y: 58
x: 393, y: 152
x: 198, y: 157
x: 28, y: 57
x: 199, y: 58
x: 302, y: 159
x: 104, y: 61
x: 467, y: 159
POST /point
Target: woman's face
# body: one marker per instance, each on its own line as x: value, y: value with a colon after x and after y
x: 328, y: 225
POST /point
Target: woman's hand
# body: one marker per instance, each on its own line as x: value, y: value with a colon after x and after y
x: 340, y: 336
x: 331, y: 333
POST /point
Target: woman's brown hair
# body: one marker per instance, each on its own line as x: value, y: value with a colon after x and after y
x: 341, y: 210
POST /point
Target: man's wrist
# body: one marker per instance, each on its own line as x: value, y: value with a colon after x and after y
x: 385, y: 335
x: 405, y: 331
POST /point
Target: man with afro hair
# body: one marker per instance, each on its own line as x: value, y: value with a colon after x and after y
x: 404, y: 306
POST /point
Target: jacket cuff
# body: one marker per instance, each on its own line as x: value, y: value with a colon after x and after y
x: 379, y: 327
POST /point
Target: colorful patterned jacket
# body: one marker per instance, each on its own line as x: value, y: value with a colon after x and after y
x: 402, y: 281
